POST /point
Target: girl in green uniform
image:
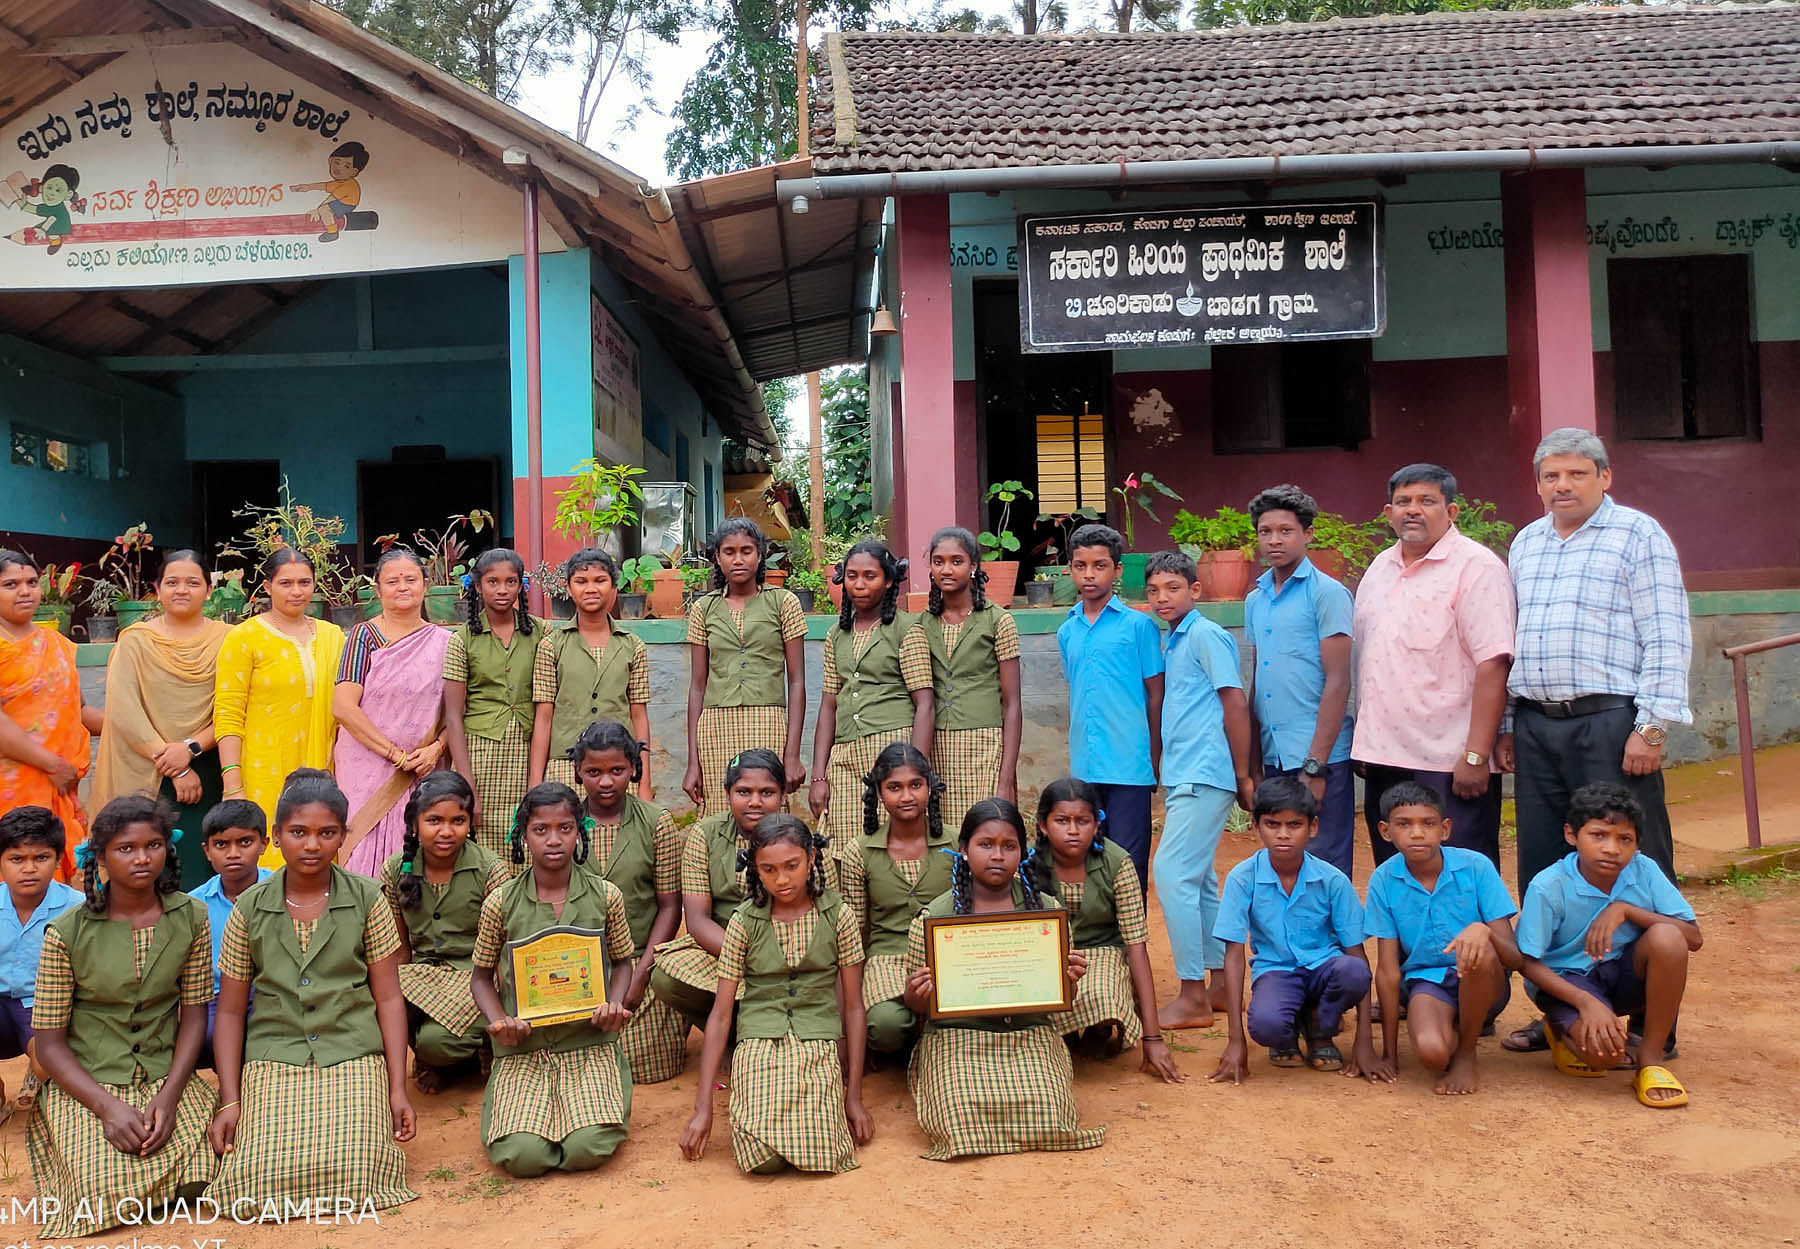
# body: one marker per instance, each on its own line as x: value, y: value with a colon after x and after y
x: 991, y: 1084
x: 585, y: 671
x: 1073, y: 863
x: 559, y: 1097
x: 636, y: 846
x: 974, y: 648
x: 436, y: 885
x: 122, y: 988
x: 313, y: 1086
x: 794, y: 948
x: 488, y: 711
x: 877, y: 687
x: 747, y: 666
x: 712, y: 884
x: 898, y: 865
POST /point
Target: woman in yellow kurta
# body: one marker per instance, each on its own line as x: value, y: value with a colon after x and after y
x: 276, y: 676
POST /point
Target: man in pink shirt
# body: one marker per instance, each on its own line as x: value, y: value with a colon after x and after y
x: 1434, y: 635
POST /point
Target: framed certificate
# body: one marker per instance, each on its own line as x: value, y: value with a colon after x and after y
x: 558, y: 975
x: 1007, y: 963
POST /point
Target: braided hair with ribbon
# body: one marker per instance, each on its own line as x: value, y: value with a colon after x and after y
x: 113, y: 819
x: 774, y: 830
x: 486, y: 562
x: 889, y: 761
x: 962, y: 879
x: 1040, y: 864
x: 893, y: 569
x: 440, y: 786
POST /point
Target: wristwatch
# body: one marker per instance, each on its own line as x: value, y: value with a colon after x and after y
x: 194, y: 750
x: 1474, y: 759
x: 1312, y: 767
x: 1652, y: 731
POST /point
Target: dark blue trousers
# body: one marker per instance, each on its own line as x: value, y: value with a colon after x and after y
x: 1279, y: 998
x: 1335, y: 842
x: 1127, y: 823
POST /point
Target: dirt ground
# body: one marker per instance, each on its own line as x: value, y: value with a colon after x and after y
x: 1289, y: 1158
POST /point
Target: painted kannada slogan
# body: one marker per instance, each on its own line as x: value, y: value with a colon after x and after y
x: 1249, y: 273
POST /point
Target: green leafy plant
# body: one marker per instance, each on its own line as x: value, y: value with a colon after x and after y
x: 293, y: 524
x: 103, y: 597
x: 123, y: 563
x: 1141, y: 490
x: 638, y: 574
x: 60, y: 586
x: 227, y: 595
x: 1355, y: 543
x: 809, y: 579
x: 1475, y: 518
x: 600, y: 497
x: 554, y: 584
x: 443, y: 551
x: 1002, y: 541
x: 696, y: 578
x: 1226, y: 530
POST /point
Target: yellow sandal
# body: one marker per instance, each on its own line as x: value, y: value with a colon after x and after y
x: 1655, y: 1077
x: 1569, y: 1063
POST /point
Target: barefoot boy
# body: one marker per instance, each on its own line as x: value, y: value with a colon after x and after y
x: 1442, y: 917
x: 234, y: 835
x: 1205, y: 771
x: 31, y: 845
x: 1604, y: 934
x: 1301, y: 915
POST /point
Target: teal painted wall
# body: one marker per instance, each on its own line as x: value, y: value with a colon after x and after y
x: 137, y: 432
x: 318, y: 422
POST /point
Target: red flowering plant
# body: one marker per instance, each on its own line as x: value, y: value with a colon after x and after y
x: 123, y: 564
x: 1141, y: 490
x: 59, y: 585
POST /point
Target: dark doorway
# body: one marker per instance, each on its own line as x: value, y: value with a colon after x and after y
x: 404, y: 495
x: 1022, y: 401
x: 221, y: 489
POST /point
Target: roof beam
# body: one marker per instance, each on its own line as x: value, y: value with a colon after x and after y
x: 158, y: 325
x: 302, y: 359
x: 161, y: 326
x: 830, y: 260
x: 12, y: 41
x: 91, y: 45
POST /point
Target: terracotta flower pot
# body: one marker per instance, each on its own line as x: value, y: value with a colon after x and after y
x: 1002, y: 580
x: 666, y: 592
x: 834, y: 590
x: 1331, y: 563
x: 775, y: 576
x: 1225, y: 575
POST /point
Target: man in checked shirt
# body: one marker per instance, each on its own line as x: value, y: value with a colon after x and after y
x: 1600, y: 664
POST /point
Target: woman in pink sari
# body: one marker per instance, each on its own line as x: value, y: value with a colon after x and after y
x: 389, y: 707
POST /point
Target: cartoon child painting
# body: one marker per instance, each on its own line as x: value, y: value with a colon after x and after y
x: 49, y: 199
x: 342, y: 193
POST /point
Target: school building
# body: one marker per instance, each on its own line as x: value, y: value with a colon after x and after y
x: 243, y: 241
x: 1314, y: 253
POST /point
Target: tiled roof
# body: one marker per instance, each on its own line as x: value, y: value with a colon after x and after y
x: 1441, y: 82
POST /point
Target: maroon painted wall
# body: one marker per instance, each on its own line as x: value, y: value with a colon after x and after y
x: 1454, y: 412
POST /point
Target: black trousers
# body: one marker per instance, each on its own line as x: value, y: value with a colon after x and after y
x: 1474, y: 822
x: 1557, y: 757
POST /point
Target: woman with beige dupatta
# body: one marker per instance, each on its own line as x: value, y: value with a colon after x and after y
x: 158, y: 736
x: 390, y: 709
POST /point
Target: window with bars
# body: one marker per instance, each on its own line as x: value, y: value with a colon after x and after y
x: 38, y: 448
x: 1071, y: 463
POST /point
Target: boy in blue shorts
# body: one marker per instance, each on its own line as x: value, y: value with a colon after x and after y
x: 1303, y: 919
x: 234, y: 835
x: 32, y: 841
x: 1113, y: 659
x: 1605, y: 934
x: 1443, y: 920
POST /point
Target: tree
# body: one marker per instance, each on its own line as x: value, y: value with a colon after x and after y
x: 844, y: 409
x: 1213, y: 14
x: 494, y: 44
x: 600, y: 35
x: 1145, y: 14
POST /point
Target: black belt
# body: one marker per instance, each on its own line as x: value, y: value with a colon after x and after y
x: 1586, y: 705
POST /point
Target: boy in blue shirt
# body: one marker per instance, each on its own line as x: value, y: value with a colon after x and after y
x: 1299, y: 620
x: 1112, y: 657
x: 1205, y: 771
x: 1605, y: 934
x: 1303, y: 919
x: 234, y: 835
x: 1443, y: 920
x: 32, y: 841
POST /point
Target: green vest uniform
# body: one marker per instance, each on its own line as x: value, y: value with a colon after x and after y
x: 587, y: 691
x: 632, y: 865
x: 313, y: 1004
x: 944, y: 904
x: 122, y: 1021
x: 873, y: 698
x: 966, y: 681
x: 583, y: 907
x: 747, y: 670
x: 1096, y: 924
x: 441, y: 929
x: 499, y: 681
x: 722, y: 846
x: 893, y: 903
x: 779, y: 999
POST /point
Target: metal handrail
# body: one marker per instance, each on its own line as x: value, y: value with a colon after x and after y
x: 1746, y: 733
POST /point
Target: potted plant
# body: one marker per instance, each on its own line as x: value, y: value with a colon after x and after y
x: 1138, y: 490
x: 103, y: 602
x: 58, y: 588
x: 599, y: 500
x: 316, y: 536
x: 443, y: 553
x: 696, y: 579
x: 1001, y: 544
x: 636, y: 576
x: 809, y: 587
x: 1221, y: 545
x: 1342, y: 548
x: 556, y: 590
x: 123, y: 565
x: 1040, y: 591
x: 226, y: 600
x: 775, y: 569
x: 667, y: 588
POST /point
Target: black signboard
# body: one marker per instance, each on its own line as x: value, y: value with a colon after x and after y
x: 1244, y: 273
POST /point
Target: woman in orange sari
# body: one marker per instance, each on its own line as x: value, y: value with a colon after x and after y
x: 44, y: 728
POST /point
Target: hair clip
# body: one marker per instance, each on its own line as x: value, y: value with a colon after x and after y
x: 525, y: 581
x: 734, y: 760
x: 1100, y: 816
x: 467, y: 581
x: 901, y: 566
x: 84, y: 855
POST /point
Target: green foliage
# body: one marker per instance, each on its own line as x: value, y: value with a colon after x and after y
x: 316, y: 536
x: 1225, y: 530
x: 1001, y: 542
x: 1356, y: 542
x: 1480, y: 520
x: 696, y: 578
x: 638, y: 574
x: 600, y: 497
x: 809, y: 579
x: 443, y: 551
x: 494, y: 44
x: 1141, y: 490
x: 226, y: 598
x: 1214, y: 14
